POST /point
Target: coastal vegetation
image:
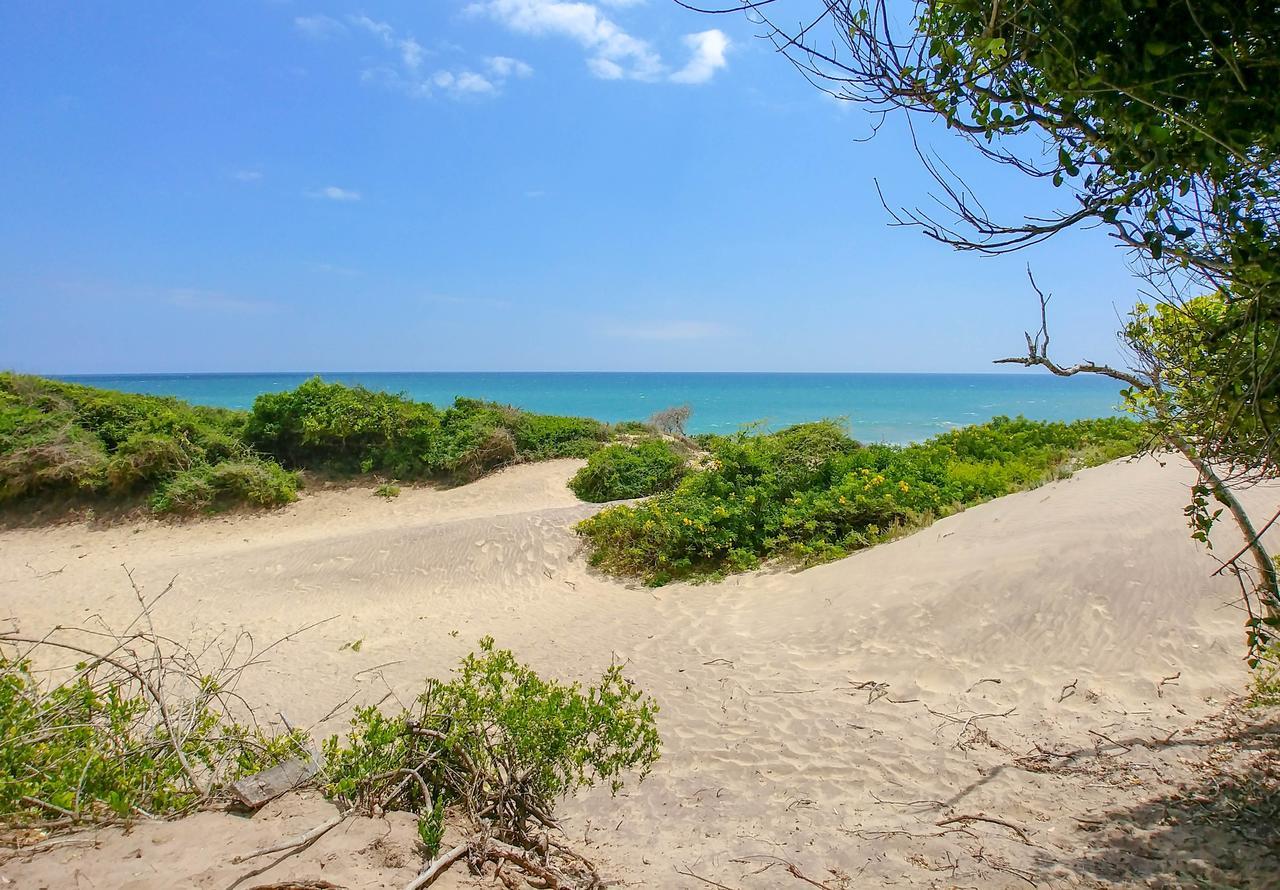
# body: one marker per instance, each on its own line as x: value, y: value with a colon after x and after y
x: 810, y: 493
x: 145, y: 728
x: 346, y: 430
x: 79, y: 443
x: 625, y: 470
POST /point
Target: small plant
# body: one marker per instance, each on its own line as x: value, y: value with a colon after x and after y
x: 431, y: 829
x: 1265, y: 689
x: 499, y: 745
x: 618, y: 472
x: 387, y: 490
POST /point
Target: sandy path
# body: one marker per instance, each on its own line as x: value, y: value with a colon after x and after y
x: 777, y: 745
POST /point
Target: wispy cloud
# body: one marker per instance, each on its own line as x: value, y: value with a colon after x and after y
x: 505, y: 66
x: 333, y: 193
x: 406, y: 69
x: 664, y: 330
x: 214, y: 301
x: 612, y: 52
x: 318, y: 27
x: 246, y: 175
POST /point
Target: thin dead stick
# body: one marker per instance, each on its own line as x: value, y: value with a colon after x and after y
x: 308, y: 838
x: 980, y: 818
x: 292, y: 848
x: 688, y: 873
x: 439, y: 865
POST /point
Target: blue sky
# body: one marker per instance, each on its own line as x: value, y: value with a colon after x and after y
x: 479, y: 185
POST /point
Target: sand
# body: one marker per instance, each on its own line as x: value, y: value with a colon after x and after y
x: 1059, y: 663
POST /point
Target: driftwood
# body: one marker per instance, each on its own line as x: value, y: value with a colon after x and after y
x: 261, y: 788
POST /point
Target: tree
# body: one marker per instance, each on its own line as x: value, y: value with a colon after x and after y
x: 1154, y: 119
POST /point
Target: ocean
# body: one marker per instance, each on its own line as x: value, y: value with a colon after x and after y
x: 896, y: 408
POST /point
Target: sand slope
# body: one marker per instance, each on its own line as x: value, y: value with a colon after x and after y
x: 1005, y: 663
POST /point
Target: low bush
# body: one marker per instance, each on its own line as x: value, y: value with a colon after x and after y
x: 810, y: 493
x: 500, y: 746
x: 618, y: 472
x: 249, y: 482
x: 63, y: 439
x: 139, y: 730
x: 67, y: 440
x: 342, y: 429
x: 1264, y: 690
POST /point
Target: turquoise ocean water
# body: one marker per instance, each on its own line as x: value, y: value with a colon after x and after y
x: 878, y: 407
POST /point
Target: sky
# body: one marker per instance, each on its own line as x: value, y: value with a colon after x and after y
x: 271, y: 185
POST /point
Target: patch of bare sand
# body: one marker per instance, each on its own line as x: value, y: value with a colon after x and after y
x: 1019, y: 694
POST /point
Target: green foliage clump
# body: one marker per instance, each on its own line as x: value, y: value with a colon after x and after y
x: 345, y: 429
x: 387, y: 490
x: 618, y: 472
x: 64, y: 439
x: 810, y: 493
x: 498, y: 740
x: 341, y: 429
x: 95, y: 749
x: 1265, y: 689
x: 249, y: 482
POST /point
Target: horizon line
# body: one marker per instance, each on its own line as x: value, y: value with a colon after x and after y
x: 325, y: 372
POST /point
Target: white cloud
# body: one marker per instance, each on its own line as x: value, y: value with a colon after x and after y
x: 505, y: 66
x: 333, y: 193
x: 318, y: 27
x: 247, y: 175
x: 461, y: 82
x: 612, y: 52
x: 405, y: 73
x: 666, y: 330
x: 708, y: 48
x: 410, y: 50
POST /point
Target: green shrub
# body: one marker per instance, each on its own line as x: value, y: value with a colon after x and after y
x: 468, y: 738
x: 810, y: 493
x: 96, y: 747
x: 542, y: 436
x: 618, y: 472
x: 250, y: 482
x: 387, y: 490
x: 149, y: 457
x: 63, y: 438
x: 1265, y: 688
x: 346, y: 430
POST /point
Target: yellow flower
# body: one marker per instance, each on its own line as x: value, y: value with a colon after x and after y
x: 688, y: 521
x: 842, y: 499
x: 904, y: 486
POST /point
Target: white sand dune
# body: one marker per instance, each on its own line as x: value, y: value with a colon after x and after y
x: 826, y: 720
